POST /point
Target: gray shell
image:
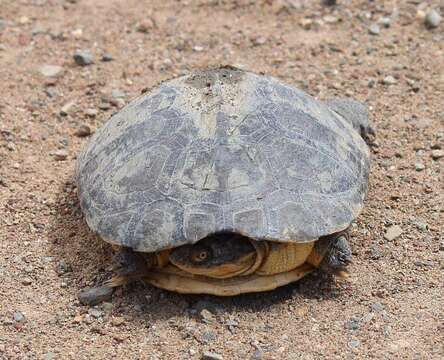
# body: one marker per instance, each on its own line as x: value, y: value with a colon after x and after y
x: 222, y: 150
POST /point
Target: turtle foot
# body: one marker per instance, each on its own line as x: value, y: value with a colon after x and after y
x: 338, y: 257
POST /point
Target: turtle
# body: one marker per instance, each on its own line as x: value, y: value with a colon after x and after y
x: 223, y: 181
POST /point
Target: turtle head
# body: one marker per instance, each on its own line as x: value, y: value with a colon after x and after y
x: 338, y: 255
x: 217, y: 256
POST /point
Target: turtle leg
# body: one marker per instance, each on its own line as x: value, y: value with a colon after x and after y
x: 356, y: 113
x: 133, y: 266
x: 332, y: 254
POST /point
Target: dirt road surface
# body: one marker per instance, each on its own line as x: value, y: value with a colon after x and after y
x: 380, y: 52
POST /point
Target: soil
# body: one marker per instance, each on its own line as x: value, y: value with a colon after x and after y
x: 392, y: 304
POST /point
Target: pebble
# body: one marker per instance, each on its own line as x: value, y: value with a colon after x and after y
x: 95, y: 295
x: 108, y: 307
x: 208, y: 355
x: 260, y: 40
x: 374, y: 29
x: 27, y: 281
x: 257, y: 355
x: 95, y: 313
x: 50, y: 70
x: 354, y: 343
x: 63, y: 267
x: 393, y: 232
x: 377, y: 307
x: 432, y: 19
x: 419, y: 166
x: 60, y: 155
x: 385, y: 22
x: 146, y: 25
x: 353, y: 324
x: 83, y: 58
x: 51, y: 91
x: 208, y: 337
x: 389, y: 80
x: 107, y: 57
x: 50, y: 356
x: 437, y: 154
x: 105, y: 105
x: 67, y: 108
x: 117, y: 321
x: 83, y: 130
x: 91, y: 112
x: 206, y: 316
x: 19, y: 317
x: 117, y: 94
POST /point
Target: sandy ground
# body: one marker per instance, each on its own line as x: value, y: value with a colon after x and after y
x: 391, y: 306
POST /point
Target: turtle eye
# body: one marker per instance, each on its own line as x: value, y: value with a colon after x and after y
x: 201, y: 255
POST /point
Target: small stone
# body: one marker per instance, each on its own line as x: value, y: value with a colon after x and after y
x: 432, y: 19
x: 63, y: 267
x: 206, y: 316
x: 437, y: 154
x: 50, y: 356
x: 146, y: 25
x: 105, y: 105
x: 60, y: 155
x: 260, y: 40
x: 353, y: 324
x: 329, y: 19
x: 208, y: 355
x: 419, y: 166
x: 91, y: 112
x: 329, y: 2
x: 108, y: 307
x: 354, y: 343
x: 117, y: 321
x: 51, y: 91
x: 83, y: 58
x: 19, y: 317
x: 83, y: 130
x: 208, y: 337
x: 306, y: 23
x: 192, y: 351
x: 393, y: 232
x: 95, y: 295
x: 50, y: 70
x: 374, y: 29
x: 107, y: 57
x: 385, y: 22
x: 95, y: 313
x: 27, y: 281
x: 77, y: 319
x: 67, y: 108
x: 377, y: 307
x: 257, y: 355
x: 389, y: 80
x: 198, y: 48
x: 38, y: 30
x: 117, y: 94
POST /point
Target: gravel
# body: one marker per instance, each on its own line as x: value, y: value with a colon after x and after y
x: 437, y: 154
x: 374, y: 29
x: 432, y: 19
x: 389, y: 80
x: 393, y: 232
x: 60, y: 155
x: 207, y: 355
x: 50, y: 70
x: 83, y: 131
x: 19, y: 317
x: 83, y: 58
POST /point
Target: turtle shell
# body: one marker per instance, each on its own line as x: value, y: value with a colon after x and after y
x: 222, y: 150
